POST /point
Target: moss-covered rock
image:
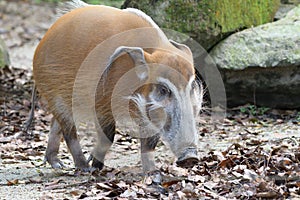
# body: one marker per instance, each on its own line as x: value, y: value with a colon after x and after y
x: 4, y: 58
x: 260, y: 65
x: 207, y: 21
x: 275, y: 44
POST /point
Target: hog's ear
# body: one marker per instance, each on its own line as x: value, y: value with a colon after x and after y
x: 182, y: 47
x: 137, y: 55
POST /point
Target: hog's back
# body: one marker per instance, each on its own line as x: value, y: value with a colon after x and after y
x: 67, y: 43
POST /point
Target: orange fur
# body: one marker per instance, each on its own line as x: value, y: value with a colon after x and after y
x: 68, y: 42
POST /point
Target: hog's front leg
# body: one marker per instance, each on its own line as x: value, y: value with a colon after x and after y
x: 104, y: 141
x: 147, y: 157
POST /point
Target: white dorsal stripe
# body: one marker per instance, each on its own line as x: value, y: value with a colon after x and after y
x: 148, y: 19
x: 68, y: 6
x: 142, y: 15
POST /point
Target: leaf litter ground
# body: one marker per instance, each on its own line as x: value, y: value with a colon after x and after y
x: 242, y: 157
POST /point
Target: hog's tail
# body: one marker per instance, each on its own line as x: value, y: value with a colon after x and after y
x: 31, y: 113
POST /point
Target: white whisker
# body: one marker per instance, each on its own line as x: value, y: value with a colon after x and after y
x: 154, y: 105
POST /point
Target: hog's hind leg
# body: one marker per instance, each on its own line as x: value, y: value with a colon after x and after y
x: 53, y: 145
x: 70, y: 136
x: 73, y: 144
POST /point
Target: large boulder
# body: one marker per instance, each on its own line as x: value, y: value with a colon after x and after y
x: 285, y: 7
x: 4, y: 58
x: 207, y: 21
x: 261, y: 65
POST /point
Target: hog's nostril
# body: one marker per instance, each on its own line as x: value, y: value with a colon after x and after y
x: 187, y: 163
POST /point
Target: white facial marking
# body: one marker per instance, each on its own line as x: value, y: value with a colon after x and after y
x: 173, y: 115
x: 141, y: 104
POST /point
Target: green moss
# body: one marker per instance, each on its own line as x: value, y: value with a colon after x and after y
x: 207, y: 21
x: 232, y: 15
x: 4, y: 57
x: 187, y: 16
x: 115, y: 3
x: 219, y: 15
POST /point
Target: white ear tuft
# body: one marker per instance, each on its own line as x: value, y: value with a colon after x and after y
x: 182, y: 47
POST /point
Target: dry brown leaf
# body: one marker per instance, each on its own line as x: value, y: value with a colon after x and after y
x: 12, y: 182
x: 76, y: 192
x: 268, y: 195
x: 35, y: 180
x: 169, y: 183
x: 228, y: 163
x: 102, y: 186
x: 55, y: 182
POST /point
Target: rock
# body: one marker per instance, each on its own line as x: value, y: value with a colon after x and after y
x: 207, y: 21
x: 268, y: 45
x: 261, y: 65
x: 276, y: 87
x: 283, y: 10
x: 4, y: 57
x: 285, y: 7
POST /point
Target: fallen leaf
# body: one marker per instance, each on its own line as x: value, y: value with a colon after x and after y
x: 268, y: 195
x: 250, y: 174
x: 35, y: 180
x: 12, y: 182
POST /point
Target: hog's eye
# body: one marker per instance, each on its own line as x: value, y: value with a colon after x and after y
x: 163, y: 91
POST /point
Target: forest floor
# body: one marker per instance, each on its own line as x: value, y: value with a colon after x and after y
x: 253, y: 153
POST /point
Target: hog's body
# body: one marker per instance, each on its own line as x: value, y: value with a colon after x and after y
x: 61, y: 55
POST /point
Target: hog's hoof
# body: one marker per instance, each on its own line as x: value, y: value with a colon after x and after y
x: 54, y: 162
x: 188, y: 159
x: 187, y: 163
x: 153, y: 177
x: 83, y: 168
x: 97, y: 164
x: 154, y: 181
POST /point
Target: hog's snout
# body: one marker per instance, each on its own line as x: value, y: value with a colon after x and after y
x: 188, y: 159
